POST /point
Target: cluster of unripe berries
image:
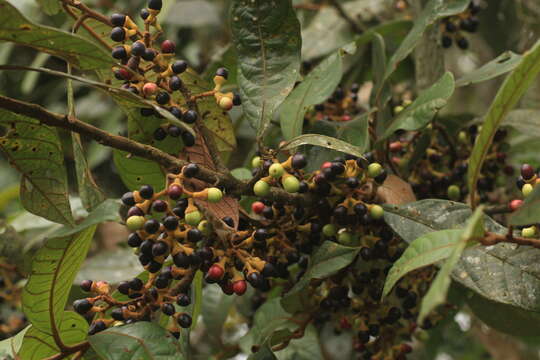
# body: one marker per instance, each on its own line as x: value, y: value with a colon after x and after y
x: 453, y: 27
x: 342, y: 106
x: 528, y: 180
x: 151, y: 72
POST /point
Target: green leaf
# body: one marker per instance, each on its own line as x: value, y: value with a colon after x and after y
x: 74, y: 49
x: 264, y: 353
x: 38, y: 345
x: 267, y: 40
x: 106, y: 211
x: 141, y: 341
x: 317, y: 86
x: 53, y: 270
x: 508, y: 319
x: 322, y: 141
x: 504, y: 273
x: 502, y: 64
x: 421, y: 111
x: 197, y: 295
x: 50, y: 7
x: 305, y: 348
x: 433, y: 11
x: 438, y: 290
x: 34, y: 150
x: 113, y: 266
x: 529, y: 212
x: 426, y: 250
x: 91, y: 195
x: 241, y: 173
x: 356, y: 132
x: 135, y: 171
x: 10, y: 347
x: 508, y: 95
x: 327, y: 260
x: 378, y: 62
x: 215, y: 309
x: 524, y: 121
x: 225, y: 57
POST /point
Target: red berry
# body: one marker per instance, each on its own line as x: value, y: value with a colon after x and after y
x: 168, y: 47
x: 150, y: 88
x: 346, y: 118
x: 326, y: 164
x: 406, y: 348
x: 515, y: 204
x: 175, y: 191
x: 122, y: 74
x: 527, y: 171
x: 239, y: 287
x: 344, y: 323
x: 215, y: 272
x: 257, y: 207
x: 395, y: 146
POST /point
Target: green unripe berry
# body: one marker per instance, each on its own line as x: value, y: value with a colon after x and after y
x: 453, y: 192
x: 291, y: 184
x: 134, y: 223
x: 205, y: 227
x: 329, y: 230
x: 376, y: 212
x: 527, y: 189
x: 398, y: 109
x: 374, y: 170
x: 256, y: 162
x: 193, y: 218
x: 528, y: 232
x: 462, y: 137
x: 345, y: 238
x: 214, y: 195
x: 261, y: 188
x: 276, y: 170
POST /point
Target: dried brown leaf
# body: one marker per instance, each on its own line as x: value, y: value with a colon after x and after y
x: 395, y: 191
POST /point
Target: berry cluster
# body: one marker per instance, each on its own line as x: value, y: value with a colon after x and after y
x: 454, y: 26
x: 342, y: 106
x: 526, y: 182
x: 440, y: 170
x: 150, y: 71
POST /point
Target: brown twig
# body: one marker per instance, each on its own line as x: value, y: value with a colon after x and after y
x: 232, y: 185
x: 70, y: 350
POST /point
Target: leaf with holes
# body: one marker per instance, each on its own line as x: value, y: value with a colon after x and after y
x: 322, y: 141
x: 438, y: 289
x: 39, y: 345
x: 421, y: 111
x: 317, y: 86
x: 433, y: 11
x: 502, y: 64
x: 135, y: 171
x: 267, y: 38
x: 34, y: 150
x: 74, y: 49
x: 328, y: 259
x: 504, y: 273
x: 141, y: 341
x: 507, y: 97
x: 53, y: 270
x: 426, y: 250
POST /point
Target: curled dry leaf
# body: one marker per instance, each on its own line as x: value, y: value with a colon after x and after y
x: 395, y: 191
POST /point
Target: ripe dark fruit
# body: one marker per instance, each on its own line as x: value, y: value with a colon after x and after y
x: 179, y: 66
x: 144, y: 14
x: 463, y: 44
x: 128, y: 199
x: 86, y: 285
x: 117, y: 314
x: 160, y: 134
x: 146, y: 191
x: 188, y: 139
x: 160, y: 248
x: 155, y: 4
x: 163, y: 98
x: 159, y: 206
x: 168, y: 309
x: 147, y: 112
x: 175, y: 191
x: 123, y: 287
x: 82, y: 306
x: 149, y: 54
x: 181, y: 260
x: 122, y: 74
x: 184, y: 320
x: 138, y: 48
x: 298, y: 161
x: 446, y: 41
x: 119, y: 53
x: 190, y: 170
x: 237, y: 100
x: 175, y: 83
x: 254, y: 279
x: 118, y: 34
x: 118, y: 19
x: 96, y: 327
x: 174, y: 131
x: 168, y: 47
x: 183, y: 300
x: 190, y: 117
x: 527, y: 172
